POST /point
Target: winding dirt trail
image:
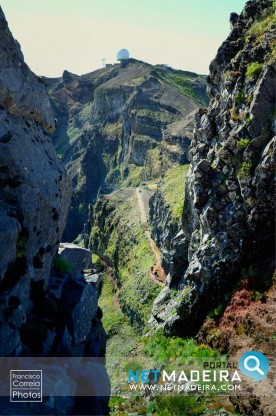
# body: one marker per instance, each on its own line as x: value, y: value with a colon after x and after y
x: 109, y: 271
x: 158, y: 274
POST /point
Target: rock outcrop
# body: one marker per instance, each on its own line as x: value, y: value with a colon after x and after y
x: 35, y: 191
x: 163, y: 227
x: 165, y: 217
x: 118, y: 126
x: 79, y: 258
x: 228, y: 218
x: 46, y: 307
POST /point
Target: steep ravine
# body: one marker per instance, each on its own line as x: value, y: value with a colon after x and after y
x: 226, y: 230
x: 119, y: 238
x: 219, y: 257
x: 121, y: 130
x: 118, y: 126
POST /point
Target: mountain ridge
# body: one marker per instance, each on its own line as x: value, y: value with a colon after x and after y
x: 111, y: 124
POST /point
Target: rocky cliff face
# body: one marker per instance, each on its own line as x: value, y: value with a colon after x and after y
x: 229, y: 208
x: 48, y: 304
x: 165, y: 215
x: 35, y: 191
x: 121, y: 125
x: 164, y: 227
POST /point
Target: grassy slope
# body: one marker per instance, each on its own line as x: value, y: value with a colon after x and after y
x: 173, y: 188
x: 122, y: 339
x: 126, y: 244
x: 127, y: 348
x: 184, y: 82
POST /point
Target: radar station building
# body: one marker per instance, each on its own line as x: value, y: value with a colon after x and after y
x: 123, y: 57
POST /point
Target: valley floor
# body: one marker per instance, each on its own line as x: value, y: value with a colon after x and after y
x: 129, y: 349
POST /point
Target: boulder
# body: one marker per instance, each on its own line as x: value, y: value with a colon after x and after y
x: 78, y: 257
x: 80, y: 303
x: 9, y: 230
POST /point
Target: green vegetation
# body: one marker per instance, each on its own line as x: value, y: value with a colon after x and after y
x: 163, y: 350
x: 173, y: 189
x: 122, y: 340
x: 177, y: 405
x: 256, y: 295
x: 240, y: 97
x: 248, y: 119
x: 215, y: 313
x: 253, y: 70
x: 112, y: 129
x: 113, y: 320
x: 134, y: 176
x: 122, y: 239
x: 242, y: 143
x: 96, y: 260
x: 260, y: 27
x: 133, y: 363
x: 154, y: 164
x: 245, y: 169
x: 185, y: 82
x: 62, y: 265
x: 156, y: 115
x: 79, y: 240
x: 22, y: 239
x: 171, y: 352
x: 248, y: 99
x: 168, y: 406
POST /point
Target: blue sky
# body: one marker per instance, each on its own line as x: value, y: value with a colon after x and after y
x: 76, y: 34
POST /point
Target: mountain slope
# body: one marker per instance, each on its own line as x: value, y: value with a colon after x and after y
x: 228, y: 218
x: 121, y: 125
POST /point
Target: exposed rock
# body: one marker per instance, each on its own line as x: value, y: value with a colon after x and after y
x: 76, y: 295
x: 95, y: 278
x: 9, y: 230
x: 35, y: 191
x: 79, y: 258
x: 22, y: 93
x: 80, y: 303
x: 43, y: 311
x: 164, y: 227
x: 228, y: 218
x: 120, y: 126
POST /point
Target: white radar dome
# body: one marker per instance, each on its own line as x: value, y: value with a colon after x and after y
x: 123, y: 55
